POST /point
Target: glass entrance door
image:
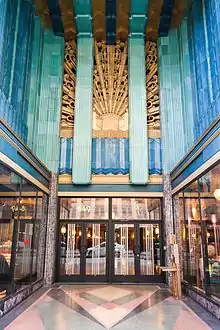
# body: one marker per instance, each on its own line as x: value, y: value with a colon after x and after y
x: 137, y: 252
x: 83, y: 251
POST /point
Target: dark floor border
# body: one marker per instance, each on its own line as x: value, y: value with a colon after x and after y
x: 207, y: 303
x: 13, y: 300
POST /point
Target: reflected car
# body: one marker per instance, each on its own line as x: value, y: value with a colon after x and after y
x: 64, y: 251
x: 100, y: 250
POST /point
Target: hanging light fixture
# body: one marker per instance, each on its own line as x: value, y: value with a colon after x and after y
x: 217, y: 194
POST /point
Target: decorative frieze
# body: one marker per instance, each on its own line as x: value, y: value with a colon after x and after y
x: 69, y: 84
x: 152, y: 86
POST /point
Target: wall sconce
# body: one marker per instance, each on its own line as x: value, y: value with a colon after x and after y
x: 80, y: 233
x: 63, y: 230
x: 217, y: 194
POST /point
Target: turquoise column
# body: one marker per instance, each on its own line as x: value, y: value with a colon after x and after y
x: 47, y: 148
x: 186, y: 83
x: 171, y: 108
x: 19, y: 87
x: 3, y: 16
x: 138, y: 143
x: 82, y: 142
x: 35, y: 83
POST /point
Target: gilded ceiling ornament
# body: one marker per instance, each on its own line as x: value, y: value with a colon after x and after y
x: 110, y: 134
x: 110, y: 91
x: 153, y: 106
x: 69, y: 83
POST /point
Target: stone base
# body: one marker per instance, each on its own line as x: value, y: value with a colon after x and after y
x: 11, y: 301
x: 207, y: 303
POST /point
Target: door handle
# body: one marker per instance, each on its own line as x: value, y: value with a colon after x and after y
x: 137, y: 250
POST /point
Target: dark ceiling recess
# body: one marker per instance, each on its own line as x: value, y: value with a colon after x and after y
x: 55, y: 16
x: 165, y: 18
x: 110, y: 10
x: 110, y: 17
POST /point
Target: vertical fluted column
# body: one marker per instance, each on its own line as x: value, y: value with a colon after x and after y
x: 82, y: 143
x: 35, y: 83
x: 47, y: 148
x: 171, y: 109
x: 137, y: 111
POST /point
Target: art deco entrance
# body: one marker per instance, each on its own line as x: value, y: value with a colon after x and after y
x: 140, y: 252
x: 83, y: 251
x: 109, y: 247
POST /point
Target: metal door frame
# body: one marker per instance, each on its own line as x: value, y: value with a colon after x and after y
x: 82, y: 277
x: 137, y: 278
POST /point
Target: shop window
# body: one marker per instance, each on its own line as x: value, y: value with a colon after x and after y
x: 192, y: 253
x: 9, y: 208
x: 210, y: 214
x: 200, y: 232
x: 21, y: 212
x: 136, y: 208
x: 84, y: 208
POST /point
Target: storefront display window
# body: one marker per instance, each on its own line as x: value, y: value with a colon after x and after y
x: 200, y: 228
x: 20, y: 217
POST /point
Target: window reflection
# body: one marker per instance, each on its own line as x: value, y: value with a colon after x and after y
x: 21, y: 213
x: 136, y: 208
x: 84, y: 208
x: 201, y: 232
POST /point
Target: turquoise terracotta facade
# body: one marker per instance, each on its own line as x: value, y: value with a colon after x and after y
x: 189, y: 71
x: 82, y: 144
x: 170, y: 98
x: 17, y: 19
x: 138, y: 146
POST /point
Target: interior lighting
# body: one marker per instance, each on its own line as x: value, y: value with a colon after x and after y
x: 217, y: 194
x: 63, y: 230
x: 157, y: 231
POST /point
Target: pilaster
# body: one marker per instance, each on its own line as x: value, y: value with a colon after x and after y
x: 50, y: 256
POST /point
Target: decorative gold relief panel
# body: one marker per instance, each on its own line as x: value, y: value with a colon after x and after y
x: 152, y: 86
x: 110, y: 90
x: 69, y: 83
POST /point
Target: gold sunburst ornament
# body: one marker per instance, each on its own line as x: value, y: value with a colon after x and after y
x: 110, y: 89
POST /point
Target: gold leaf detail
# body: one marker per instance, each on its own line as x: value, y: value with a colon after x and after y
x: 110, y: 92
x: 152, y: 86
x: 69, y: 84
x: 110, y: 134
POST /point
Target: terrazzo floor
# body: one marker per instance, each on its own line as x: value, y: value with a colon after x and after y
x: 96, y: 307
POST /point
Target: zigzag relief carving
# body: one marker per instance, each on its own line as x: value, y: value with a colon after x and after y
x: 69, y: 84
x: 152, y: 86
